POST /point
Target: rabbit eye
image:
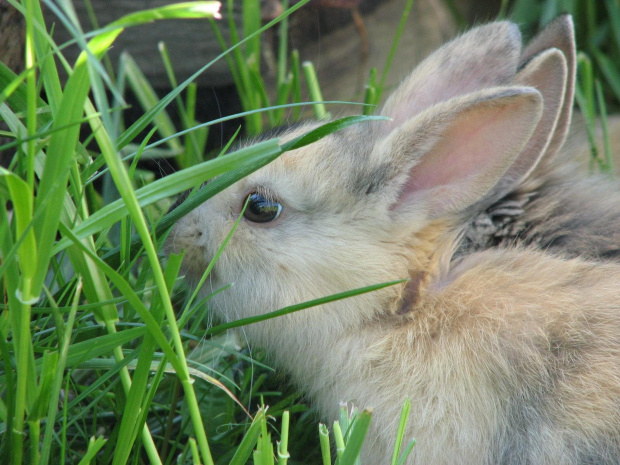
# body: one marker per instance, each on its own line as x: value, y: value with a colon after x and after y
x: 261, y: 209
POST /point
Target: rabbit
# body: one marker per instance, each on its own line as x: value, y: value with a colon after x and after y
x: 508, y: 353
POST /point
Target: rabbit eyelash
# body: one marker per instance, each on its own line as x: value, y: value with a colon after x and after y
x: 265, y: 192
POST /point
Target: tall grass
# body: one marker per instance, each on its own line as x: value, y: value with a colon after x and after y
x: 96, y: 362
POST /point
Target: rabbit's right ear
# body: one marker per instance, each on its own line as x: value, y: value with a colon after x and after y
x: 447, y: 158
x: 487, y: 56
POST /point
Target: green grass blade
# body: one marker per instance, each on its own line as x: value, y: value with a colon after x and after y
x: 94, y: 446
x: 329, y: 128
x: 147, y: 97
x: 58, y: 379
x: 283, y: 454
x: 312, y: 82
x: 244, y: 450
x: 80, y: 352
x: 390, y: 58
x: 130, y: 424
x: 325, y: 446
x: 356, y: 438
x: 402, y: 427
x: 182, y: 10
x: 21, y: 196
x: 299, y: 307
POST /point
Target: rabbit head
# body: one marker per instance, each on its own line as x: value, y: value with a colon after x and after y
x: 373, y: 202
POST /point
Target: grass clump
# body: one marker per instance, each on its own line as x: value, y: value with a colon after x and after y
x: 95, y: 361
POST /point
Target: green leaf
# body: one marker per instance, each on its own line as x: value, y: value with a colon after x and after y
x: 244, y: 450
x: 183, y: 10
x: 325, y: 447
x: 97, y: 347
x: 94, y: 446
x: 148, y: 98
x: 49, y: 365
x: 402, y: 428
x: 329, y: 128
x: 17, y: 190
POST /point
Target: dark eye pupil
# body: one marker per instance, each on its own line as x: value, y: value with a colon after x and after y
x: 261, y: 209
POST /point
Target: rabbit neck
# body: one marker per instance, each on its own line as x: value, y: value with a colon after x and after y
x: 327, y: 363
x: 429, y: 262
x: 324, y: 348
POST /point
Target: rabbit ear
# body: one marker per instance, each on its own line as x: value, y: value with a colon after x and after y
x: 547, y: 73
x: 484, y: 57
x: 559, y: 34
x: 450, y: 156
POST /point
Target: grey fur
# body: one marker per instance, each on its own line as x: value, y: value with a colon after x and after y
x: 562, y: 210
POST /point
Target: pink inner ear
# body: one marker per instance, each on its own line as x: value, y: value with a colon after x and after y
x: 457, y: 155
x: 474, y: 150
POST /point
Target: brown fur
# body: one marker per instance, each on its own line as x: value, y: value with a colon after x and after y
x: 506, y: 339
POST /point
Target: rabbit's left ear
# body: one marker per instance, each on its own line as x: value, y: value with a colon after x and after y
x: 547, y: 64
x: 559, y: 34
x: 547, y: 73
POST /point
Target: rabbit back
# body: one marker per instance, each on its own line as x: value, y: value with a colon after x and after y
x: 561, y: 209
x: 512, y: 358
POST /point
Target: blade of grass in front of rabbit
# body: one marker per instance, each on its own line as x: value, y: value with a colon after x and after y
x: 302, y: 306
x: 213, y: 261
